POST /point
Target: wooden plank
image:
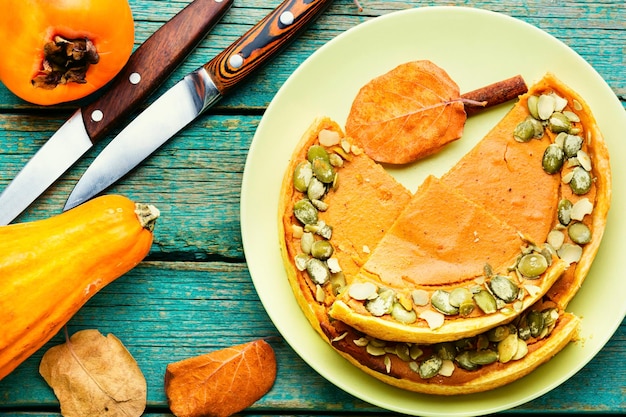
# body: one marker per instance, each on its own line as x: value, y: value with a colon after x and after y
x: 596, y: 30
x: 194, y: 294
x: 167, y: 311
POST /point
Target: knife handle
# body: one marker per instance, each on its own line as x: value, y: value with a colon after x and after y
x: 151, y: 64
x: 262, y: 42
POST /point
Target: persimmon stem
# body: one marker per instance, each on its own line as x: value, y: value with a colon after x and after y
x: 65, y: 61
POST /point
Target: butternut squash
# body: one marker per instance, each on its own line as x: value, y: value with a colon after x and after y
x: 50, y: 268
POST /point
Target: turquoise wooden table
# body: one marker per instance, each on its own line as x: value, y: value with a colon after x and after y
x: 193, y: 293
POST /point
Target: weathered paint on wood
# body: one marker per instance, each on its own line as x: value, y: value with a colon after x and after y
x: 193, y: 294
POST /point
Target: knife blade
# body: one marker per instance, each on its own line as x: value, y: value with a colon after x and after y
x: 195, y: 93
x: 146, y: 69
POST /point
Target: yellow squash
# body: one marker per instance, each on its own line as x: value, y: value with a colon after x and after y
x: 50, y: 268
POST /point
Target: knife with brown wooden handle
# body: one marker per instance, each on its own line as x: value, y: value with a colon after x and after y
x: 147, y: 68
x: 196, y: 92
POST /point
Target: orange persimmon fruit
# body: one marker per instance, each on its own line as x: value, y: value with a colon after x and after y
x: 55, y: 51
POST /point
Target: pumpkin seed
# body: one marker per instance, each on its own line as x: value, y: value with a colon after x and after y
x: 464, y: 343
x: 447, y: 368
x: 553, y: 158
x: 430, y: 367
x: 556, y: 239
x: 522, y: 350
x: 464, y: 361
x: 570, y: 253
x: 584, y: 159
x: 445, y: 350
x: 532, y: 104
x: 572, y: 144
x: 507, y: 348
x: 466, y: 308
x: 415, y: 352
x: 524, y: 131
x: 403, y: 352
x: 459, y: 295
x: 420, y: 297
x: 319, y: 205
x: 320, y: 228
x: 579, y: 233
x: 361, y: 342
x: 375, y: 350
x: 564, y: 211
x: 482, y: 342
x: 434, y: 318
x: 338, y: 282
x: 486, y: 302
x: 301, y: 260
x: 403, y: 315
x: 550, y: 316
x: 537, y: 127
x: 317, y: 152
x: 545, y: 106
x: 323, y: 170
x: 581, y: 181
x: 316, y: 189
x: 320, y: 294
x: 302, y: 176
x: 328, y: 137
x: 363, y: 291
x: 335, y: 160
x: 483, y: 357
x: 573, y: 117
x: 558, y: 122
x: 306, y: 242
x: 581, y: 208
x: 318, y: 271
x: 523, y: 330
x: 560, y: 139
x: 559, y: 102
x: 322, y: 249
x: 532, y: 265
x: 535, y: 321
x: 497, y: 334
x: 503, y: 288
x: 440, y: 300
x: 305, y: 212
x: 381, y: 305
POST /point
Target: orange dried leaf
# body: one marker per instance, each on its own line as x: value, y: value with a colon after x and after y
x: 220, y: 383
x: 94, y: 375
x: 407, y: 113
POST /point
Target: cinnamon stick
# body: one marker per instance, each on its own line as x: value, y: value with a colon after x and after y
x: 494, y: 94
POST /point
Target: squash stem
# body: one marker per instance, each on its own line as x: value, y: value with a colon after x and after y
x: 147, y: 215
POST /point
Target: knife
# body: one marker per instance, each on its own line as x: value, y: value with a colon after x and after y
x: 145, y: 70
x: 192, y: 95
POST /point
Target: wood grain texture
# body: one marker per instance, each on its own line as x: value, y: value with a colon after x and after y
x: 193, y: 294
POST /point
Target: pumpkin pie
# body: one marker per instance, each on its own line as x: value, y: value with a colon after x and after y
x: 462, y: 286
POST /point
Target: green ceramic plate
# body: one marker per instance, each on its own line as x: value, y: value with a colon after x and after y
x: 476, y: 48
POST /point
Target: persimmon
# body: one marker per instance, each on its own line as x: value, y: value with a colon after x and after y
x: 57, y: 51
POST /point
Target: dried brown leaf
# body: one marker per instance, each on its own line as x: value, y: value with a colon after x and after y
x: 222, y: 382
x: 94, y: 375
x: 407, y: 113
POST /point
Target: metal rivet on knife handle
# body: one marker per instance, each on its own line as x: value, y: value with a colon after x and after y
x: 97, y: 115
x: 134, y: 78
x: 236, y: 61
x: 263, y: 41
x: 287, y: 18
